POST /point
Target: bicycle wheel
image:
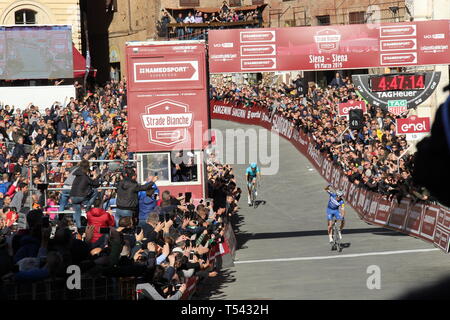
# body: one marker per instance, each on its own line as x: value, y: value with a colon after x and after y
x: 337, y: 239
x: 254, y: 196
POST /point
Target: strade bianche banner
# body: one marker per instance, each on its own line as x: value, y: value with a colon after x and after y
x: 430, y: 223
x: 354, y: 46
x: 167, y: 96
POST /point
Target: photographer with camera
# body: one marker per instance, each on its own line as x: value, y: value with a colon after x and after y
x: 127, y: 194
x: 83, y: 190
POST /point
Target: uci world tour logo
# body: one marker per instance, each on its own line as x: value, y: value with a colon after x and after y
x: 327, y: 40
x: 167, y: 122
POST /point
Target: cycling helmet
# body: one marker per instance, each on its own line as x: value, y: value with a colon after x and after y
x: 253, y: 165
x: 339, y: 193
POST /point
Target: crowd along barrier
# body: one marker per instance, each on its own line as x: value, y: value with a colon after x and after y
x: 220, y: 255
x: 428, y: 222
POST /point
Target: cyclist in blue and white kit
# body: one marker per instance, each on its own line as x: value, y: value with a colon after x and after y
x: 251, y: 174
x: 335, y: 208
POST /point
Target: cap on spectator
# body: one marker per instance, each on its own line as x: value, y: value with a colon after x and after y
x: 177, y: 249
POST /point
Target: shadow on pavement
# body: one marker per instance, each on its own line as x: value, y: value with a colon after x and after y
x: 212, y: 286
x: 242, y: 238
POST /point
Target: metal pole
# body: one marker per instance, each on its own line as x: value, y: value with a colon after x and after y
x: 91, y: 161
x: 340, y: 136
x: 30, y: 187
x: 401, y: 156
x: 99, y: 188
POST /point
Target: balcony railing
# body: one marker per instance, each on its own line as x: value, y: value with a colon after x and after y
x: 186, y: 31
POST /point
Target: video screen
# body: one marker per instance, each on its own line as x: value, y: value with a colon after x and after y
x: 37, y: 52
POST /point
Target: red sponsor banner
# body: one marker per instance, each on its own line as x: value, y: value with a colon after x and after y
x: 164, y: 66
x: 441, y: 238
x: 395, y: 45
x: 353, y: 194
x: 429, y: 220
x: 330, y: 47
x: 335, y: 177
x: 414, y: 218
x: 166, y: 71
x: 383, y: 211
x: 398, y: 214
x: 390, y: 59
x: 345, y: 107
x: 228, y: 111
x: 258, y: 63
x: 344, y: 185
x: 444, y: 218
x: 258, y: 50
x: 257, y: 36
x: 413, y: 124
x: 372, y: 208
x: 191, y: 285
x: 397, y: 30
x: 361, y: 201
x: 327, y: 166
x: 167, y: 96
x: 160, y: 124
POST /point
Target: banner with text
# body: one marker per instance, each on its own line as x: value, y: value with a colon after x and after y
x: 354, y: 46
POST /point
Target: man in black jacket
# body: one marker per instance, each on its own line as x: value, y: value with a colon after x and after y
x: 127, y: 194
x: 83, y: 190
x: 19, y: 149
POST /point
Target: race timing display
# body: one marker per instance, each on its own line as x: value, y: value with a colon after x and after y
x: 397, y: 82
x: 396, y: 93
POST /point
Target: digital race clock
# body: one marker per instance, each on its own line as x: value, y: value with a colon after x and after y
x: 399, y: 82
x: 397, y: 92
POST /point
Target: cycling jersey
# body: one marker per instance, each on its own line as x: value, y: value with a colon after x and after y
x: 250, y: 173
x: 333, y: 207
x: 333, y: 203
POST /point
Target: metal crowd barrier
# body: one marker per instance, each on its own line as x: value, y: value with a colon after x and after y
x: 92, y: 288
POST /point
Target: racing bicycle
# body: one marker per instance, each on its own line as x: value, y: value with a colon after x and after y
x: 336, y: 244
x: 253, y: 191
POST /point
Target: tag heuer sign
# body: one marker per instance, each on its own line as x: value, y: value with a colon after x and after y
x: 397, y: 103
x: 397, y: 107
x: 397, y: 92
x: 167, y: 122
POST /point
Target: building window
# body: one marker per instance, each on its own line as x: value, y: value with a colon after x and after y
x: 356, y: 17
x: 323, y: 20
x: 170, y: 167
x: 235, y: 3
x: 189, y: 3
x: 289, y: 23
x: 25, y: 17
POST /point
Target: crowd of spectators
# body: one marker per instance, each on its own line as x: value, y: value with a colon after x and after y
x: 224, y: 15
x: 152, y: 235
x: 373, y: 157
